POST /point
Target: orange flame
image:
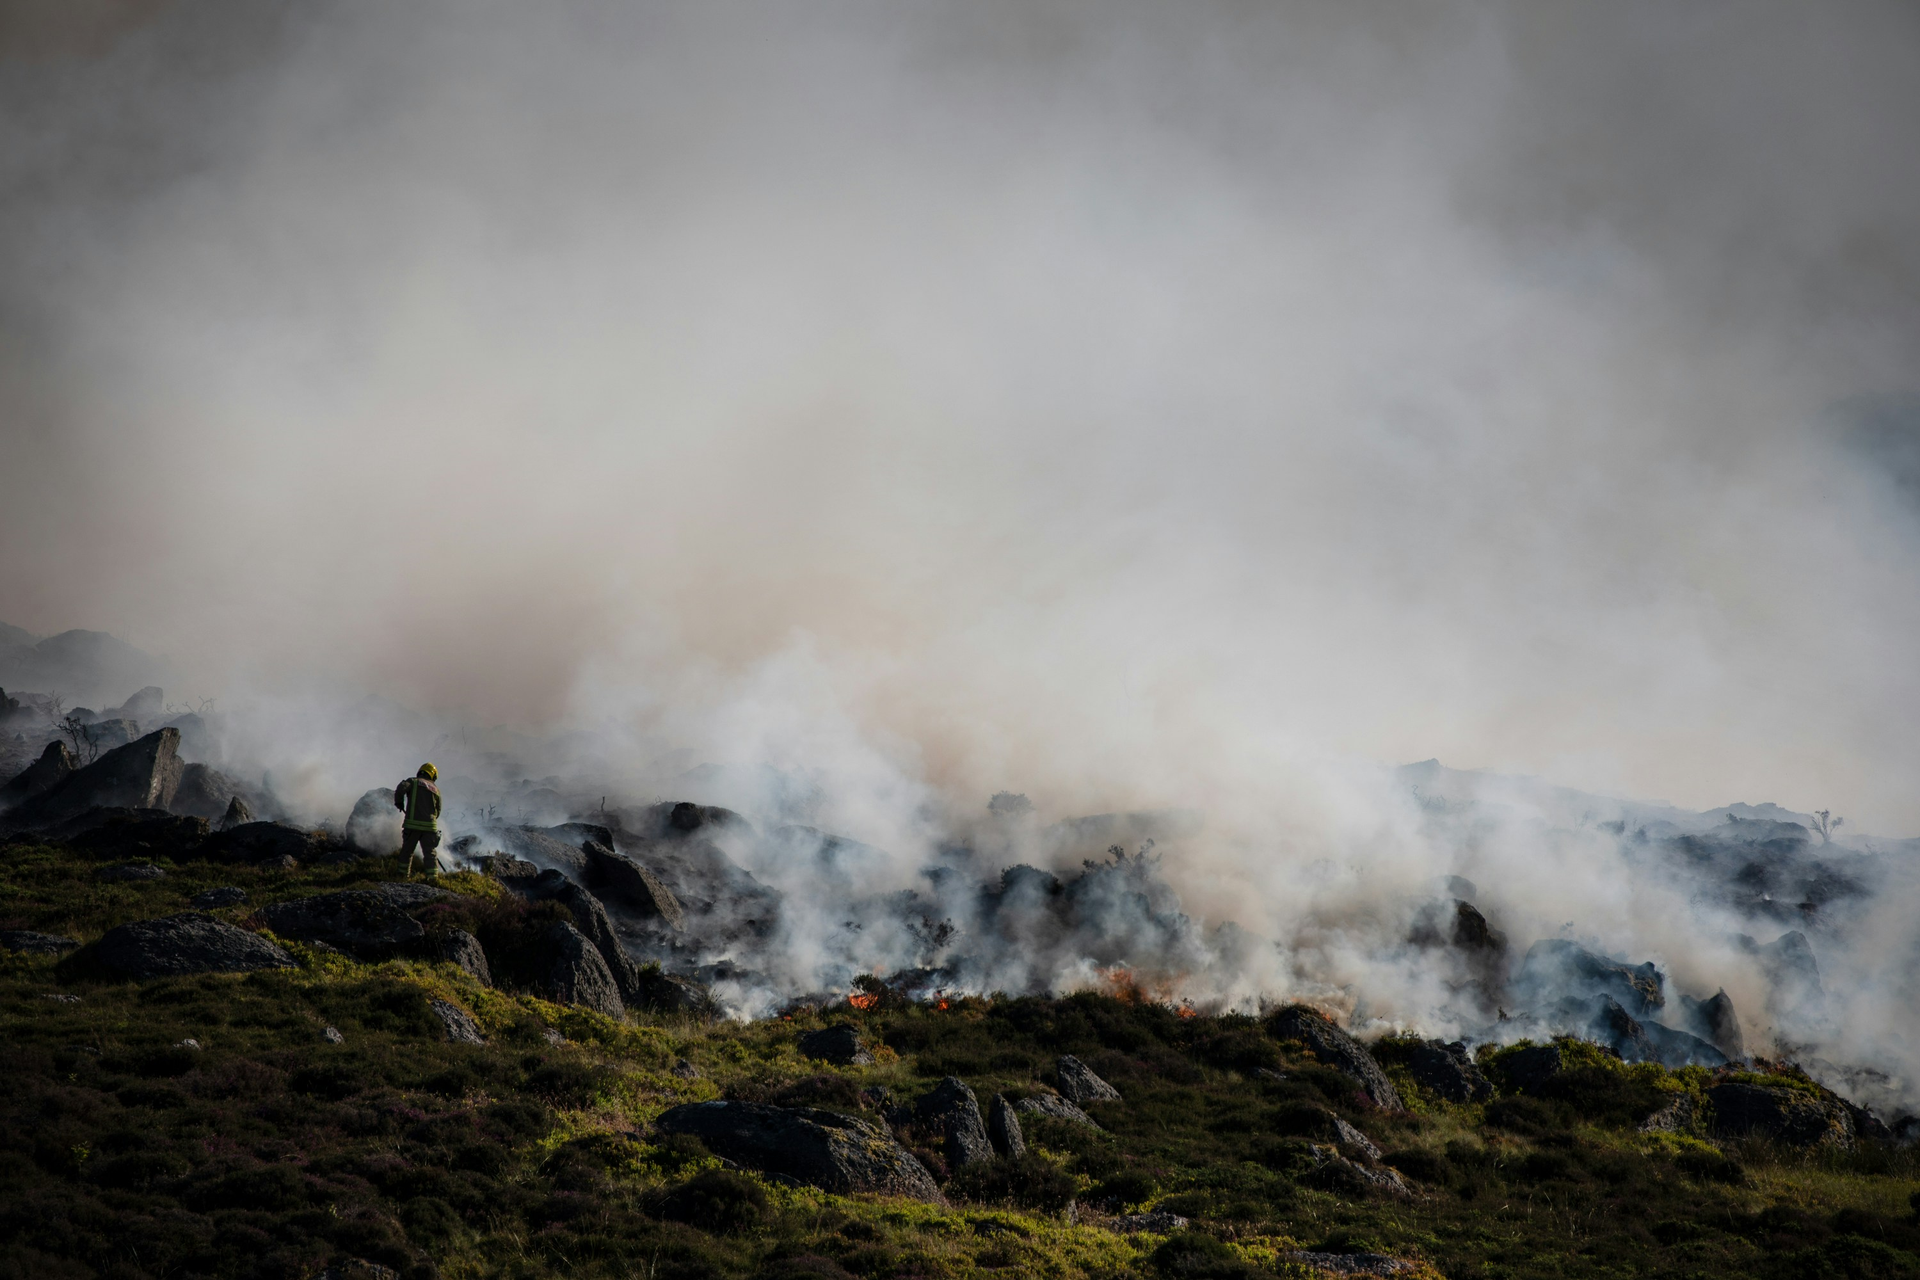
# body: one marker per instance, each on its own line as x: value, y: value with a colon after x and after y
x: 941, y: 1003
x: 864, y: 999
x: 1188, y: 1011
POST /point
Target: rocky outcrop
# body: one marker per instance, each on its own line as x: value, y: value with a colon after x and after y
x: 130, y: 871
x: 544, y: 851
x: 951, y: 1108
x: 1335, y: 1048
x: 1332, y: 1171
x: 239, y: 813
x: 593, y: 923
x: 135, y: 832
x: 204, y: 792
x: 456, y: 1022
x: 1055, y: 1107
x: 1529, y: 1069
x: 1555, y: 969
x: 572, y: 971
x: 52, y: 768
x: 1003, y: 1129
x: 626, y: 881
x: 1797, y: 1117
x: 669, y: 993
x: 367, y: 924
x: 1080, y: 1085
x: 181, y: 944
x: 824, y: 1149
x: 1678, y: 1116
x: 374, y: 825
x: 1714, y: 1021
x: 225, y: 896
x: 1448, y: 1071
x: 839, y: 1045
x: 465, y: 951
x: 144, y: 774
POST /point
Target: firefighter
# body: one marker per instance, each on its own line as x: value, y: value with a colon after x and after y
x: 419, y: 800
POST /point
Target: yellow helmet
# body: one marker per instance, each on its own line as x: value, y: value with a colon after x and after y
x: 428, y: 772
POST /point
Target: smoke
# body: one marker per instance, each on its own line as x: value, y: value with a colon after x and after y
x: 1132, y: 407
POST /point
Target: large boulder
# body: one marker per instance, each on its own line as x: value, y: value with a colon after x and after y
x: 839, y: 1045
x: 1448, y: 1071
x: 144, y: 706
x: 1335, y: 1048
x: 572, y: 971
x: 1714, y: 1021
x: 54, y: 764
x: 669, y: 993
x: 1080, y: 1085
x: 106, y: 735
x: 544, y: 851
x: 465, y: 951
x: 824, y: 1149
x: 1796, y: 1116
x: 183, y: 944
x: 141, y: 775
x: 27, y: 942
x: 374, y: 825
x: 591, y: 919
x: 951, y: 1107
x: 368, y: 924
x: 1055, y: 1107
x: 1003, y: 1129
x: 204, y: 792
x: 626, y: 881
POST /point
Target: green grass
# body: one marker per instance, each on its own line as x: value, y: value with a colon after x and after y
x: 269, y: 1152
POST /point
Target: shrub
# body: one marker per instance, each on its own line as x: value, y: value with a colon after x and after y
x: 1031, y: 1182
x: 718, y: 1200
x: 1193, y: 1255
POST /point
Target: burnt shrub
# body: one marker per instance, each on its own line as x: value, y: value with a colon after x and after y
x: 1236, y: 1043
x: 139, y: 1170
x: 1031, y: 1182
x: 1420, y: 1164
x: 1303, y: 1120
x: 1523, y: 1115
x: 1129, y: 1186
x: 333, y: 1079
x: 718, y: 1200
x: 1703, y: 1164
x: 567, y: 1083
x: 823, y: 1090
x: 267, y: 1187
x: 1194, y: 1255
x: 429, y: 1220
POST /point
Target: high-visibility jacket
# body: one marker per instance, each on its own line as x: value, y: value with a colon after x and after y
x: 419, y: 800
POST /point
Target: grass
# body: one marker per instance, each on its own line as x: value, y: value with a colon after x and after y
x: 268, y: 1151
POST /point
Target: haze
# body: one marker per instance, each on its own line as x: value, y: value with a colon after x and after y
x: 1119, y: 403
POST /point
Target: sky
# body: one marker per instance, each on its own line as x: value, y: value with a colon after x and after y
x: 1130, y: 405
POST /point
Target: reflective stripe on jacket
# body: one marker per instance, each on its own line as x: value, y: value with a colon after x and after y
x: 420, y: 801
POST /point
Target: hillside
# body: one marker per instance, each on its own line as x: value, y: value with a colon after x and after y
x: 290, y: 1120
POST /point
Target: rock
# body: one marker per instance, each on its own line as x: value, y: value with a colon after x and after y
x: 668, y: 993
x: 1636, y: 1041
x: 332, y: 1035
x: 239, y: 813
x: 1332, y: 1171
x: 53, y: 766
x: 27, y: 942
x: 1866, y: 1124
x: 143, y: 706
x: 141, y: 775
x: 183, y: 944
x: 459, y: 1024
x: 839, y: 1045
x: 1350, y: 1264
x: 1529, y: 1069
x: 824, y: 1149
x: 285, y: 864
x: 1794, y: 1116
x: 374, y: 825
x: 1003, y: 1129
x: 1056, y: 1107
x: 129, y: 831
x: 225, y: 896
x: 1159, y: 1222
x: 107, y: 735
x: 1353, y: 1138
x: 131, y: 871
x: 545, y: 852
x: 572, y: 971
x: 1080, y: 1085
x: 1555, y: 968
x: 591, y: 919
x: 260, y: 842
x: 464, y: 950
x: 1448, y: 1071
x: 685, y: 1070
x: 188, y: 1043
x: 1335, y: 1048
x: 951, y: 1107
x: 504, y: 866
x: 367, y: 924
x: 1714, y: 1021
x: 61, y: 998
x: 621, y: 877
x: 1677, y: 1116
x: 204, y: 792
